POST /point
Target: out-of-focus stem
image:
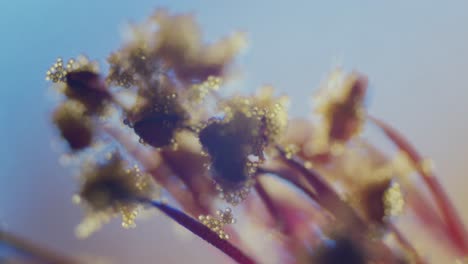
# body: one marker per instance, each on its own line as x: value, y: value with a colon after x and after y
x: 201, y: 208
x: 201, y: 231
x: 153, y: 168
x: 270, y: 205
x: 405, y: 244
x: 427, y: 214
x: 291, y: 179
x: 455, y: 227
x: 329, y: 200
x: 326, y: 196
x: 29, y: 249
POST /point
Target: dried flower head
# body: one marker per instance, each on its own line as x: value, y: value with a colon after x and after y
x: 80, y: 81
x: 179, y: 42
x: 341, y: 108
x: 175, y: 46
x: 108, y: 189
x: 237, y: 142
x: 382, y: 200
x: 133, y: 65
x: 234, y: 145
x: 157, y: 116
x: 271, y: 111
x: 74, y: 125
x: 331, y: 180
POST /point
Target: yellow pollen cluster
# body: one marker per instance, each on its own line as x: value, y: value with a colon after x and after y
x: 290, y: 150
x: 58, y: 72
x: 393, y: 200
x: 236, y: 196
x: 270, y: 110
x: 129, y: 213
x: 216, y: 223
x: 198, y: 92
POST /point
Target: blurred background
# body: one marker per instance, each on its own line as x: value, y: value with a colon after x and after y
x: 415, y: 54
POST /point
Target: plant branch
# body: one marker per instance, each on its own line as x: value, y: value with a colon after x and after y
x: 325, y: 195
x: 201, y: 231
x: 404, y: 243
x: 270, y: 205
x: 455, y: 227
x: 306, y: 190
x: 34, y: 251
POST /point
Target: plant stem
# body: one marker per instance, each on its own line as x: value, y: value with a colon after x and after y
x: 291, y: 179
x: 326, y: 196
x: 404, y: 243
x: 201, y: 231
x: 455, y: 227
x: 270, y: 206
x: 32, y: 250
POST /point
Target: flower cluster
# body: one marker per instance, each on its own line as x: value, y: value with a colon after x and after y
x: 332, y: 195
x: 108, y: 189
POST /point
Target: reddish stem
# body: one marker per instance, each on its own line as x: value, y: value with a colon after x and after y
x: 29, y: 249
x: 153, y: 165
x: 326, y: 196
x: 291, y: 179
x: 404, y: 243
x: 331, y: 201
x: 201, y: 231
x: 270, y: 205
x: 455, y: 227
x: 427, y: 214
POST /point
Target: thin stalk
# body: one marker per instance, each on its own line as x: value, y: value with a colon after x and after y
x: 270, y: 206
x: 405, y: 244
x: 291, y: 179
x: 328, y: 199
x: 326, y: 196
x: 29, y: 249
x: 201, y: 231
x: 455, y: 227
x: 152, y: 164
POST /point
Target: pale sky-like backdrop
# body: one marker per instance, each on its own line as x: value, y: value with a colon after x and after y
x: 415, y: 54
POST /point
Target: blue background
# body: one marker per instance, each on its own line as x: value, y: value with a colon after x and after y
x: 414, y: 52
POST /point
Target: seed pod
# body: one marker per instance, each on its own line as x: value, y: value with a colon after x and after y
x: 74, y: 126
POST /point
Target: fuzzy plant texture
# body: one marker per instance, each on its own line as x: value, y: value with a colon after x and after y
x: 156, y: 131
